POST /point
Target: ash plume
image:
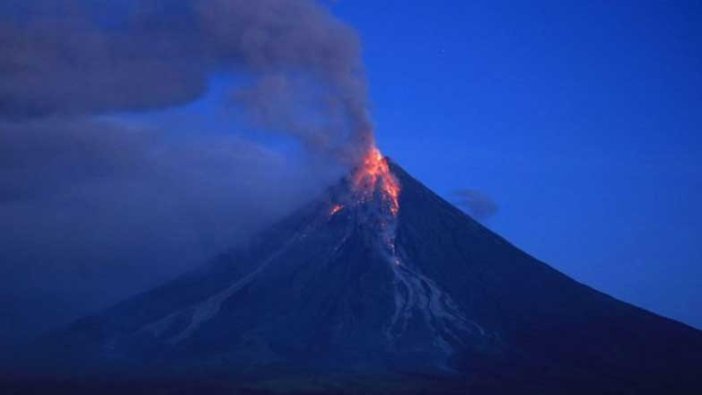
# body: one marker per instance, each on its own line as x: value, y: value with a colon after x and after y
x: 299, y: 69
x: 476, y: 203
x: 87, y: 192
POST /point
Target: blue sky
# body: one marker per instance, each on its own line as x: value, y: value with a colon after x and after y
x: 583, y: 120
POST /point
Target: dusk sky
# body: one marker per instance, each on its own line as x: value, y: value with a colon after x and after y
x: 582, y: 120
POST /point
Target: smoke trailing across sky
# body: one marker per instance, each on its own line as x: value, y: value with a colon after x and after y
x: 476, y: 203
x: 302, y: 67
x: 83, y: 191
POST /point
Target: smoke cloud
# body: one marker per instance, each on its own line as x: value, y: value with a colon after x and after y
x: 92, y: 211
x: 476, y: 203
x: 95, y: 206
x: 300, y: 68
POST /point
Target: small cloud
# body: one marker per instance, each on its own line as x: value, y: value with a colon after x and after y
x: 476, y: 203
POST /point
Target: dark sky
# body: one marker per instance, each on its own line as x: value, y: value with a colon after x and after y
x: 581, y: 119
x: 136, y: 142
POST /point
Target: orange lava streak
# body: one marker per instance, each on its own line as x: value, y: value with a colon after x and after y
x: 335, y: 209
x: 375, y: 174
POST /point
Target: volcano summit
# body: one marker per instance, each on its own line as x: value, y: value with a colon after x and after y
x: 379, y: 286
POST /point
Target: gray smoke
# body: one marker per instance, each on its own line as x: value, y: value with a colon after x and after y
x: 309, y: 78
x: 94, y: 206
x: 300, y: 71
x: 476, y: 203
x: 94, y: 211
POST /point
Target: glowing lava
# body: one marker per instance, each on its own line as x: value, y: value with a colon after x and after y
x: 335, y: 209
x: 374, y: 176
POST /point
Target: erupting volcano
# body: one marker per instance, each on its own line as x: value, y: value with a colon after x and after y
x: 373, y: 176
x: 380, y: 286
x: 377, y: 285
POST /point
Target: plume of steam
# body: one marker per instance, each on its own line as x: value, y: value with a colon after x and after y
x: 308, y: 75
x: 80, y: 186
x: 476, y: 203
x: 301, y: 68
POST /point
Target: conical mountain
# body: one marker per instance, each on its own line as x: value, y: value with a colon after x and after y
x: 352, y: 297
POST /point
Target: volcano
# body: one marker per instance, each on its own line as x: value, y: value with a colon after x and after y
x: 379, y: 286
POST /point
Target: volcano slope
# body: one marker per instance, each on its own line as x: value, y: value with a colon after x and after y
x: 343, y: 296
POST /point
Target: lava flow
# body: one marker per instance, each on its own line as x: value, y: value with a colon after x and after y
x: 335, y: 209
x: 374, y: 176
